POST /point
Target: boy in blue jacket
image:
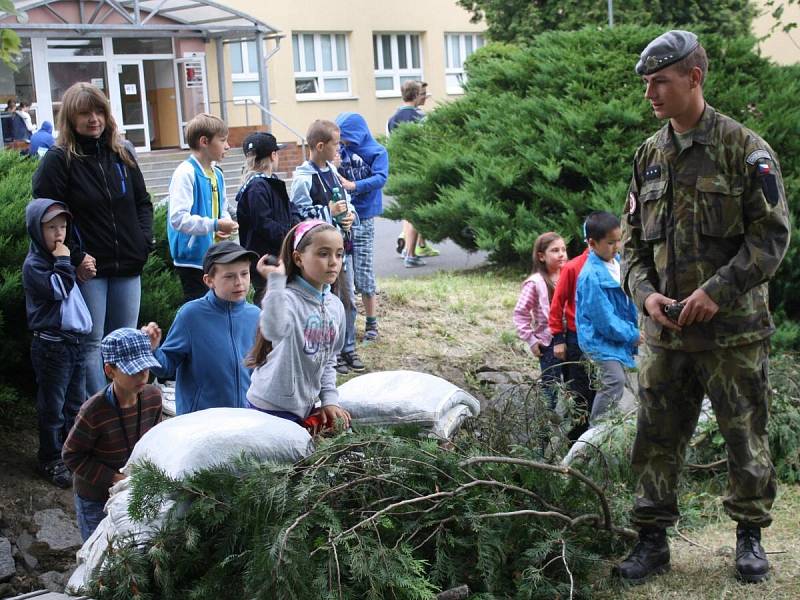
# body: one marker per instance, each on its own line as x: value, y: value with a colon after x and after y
x: 605, y: 317
x: 365, y: 169
x: 210, y: 338
x: 59, y: 320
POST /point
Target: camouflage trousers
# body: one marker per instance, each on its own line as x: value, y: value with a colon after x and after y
x: 671, y: 388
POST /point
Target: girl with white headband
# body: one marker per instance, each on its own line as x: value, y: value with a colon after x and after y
x: 301, y: 330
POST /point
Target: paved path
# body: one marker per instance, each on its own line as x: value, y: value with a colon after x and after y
x: 387, y: 263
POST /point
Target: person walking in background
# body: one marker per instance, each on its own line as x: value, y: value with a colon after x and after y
x: 533, y: 307
x: 263, y: 209
x: 198, y: 213
x: 91, y: 172
x: 705, y: 228
x: 605, y: 317
x: 363, y: 172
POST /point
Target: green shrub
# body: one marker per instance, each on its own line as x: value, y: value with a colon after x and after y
x: 546, y: 133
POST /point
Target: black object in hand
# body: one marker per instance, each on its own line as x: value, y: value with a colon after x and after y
x: 272, y: 261
x: 673, y: 311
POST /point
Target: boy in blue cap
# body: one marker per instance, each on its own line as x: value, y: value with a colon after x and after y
x: 110, y: 423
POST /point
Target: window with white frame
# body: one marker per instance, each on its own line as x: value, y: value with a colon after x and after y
x: 244, y: 70
x: 321, y: 65
x: 397, y: 59
x: 457, y: 47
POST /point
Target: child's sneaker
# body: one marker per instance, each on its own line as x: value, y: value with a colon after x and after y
x: 414, y: 261
x: 401, y: 243
x: 353, y: 361
x: 57, y: 473
x: 371, y: 332
x: 427, y: 250
x: 341, y: 364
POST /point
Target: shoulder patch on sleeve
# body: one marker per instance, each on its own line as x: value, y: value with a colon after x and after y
x: 757, y: 155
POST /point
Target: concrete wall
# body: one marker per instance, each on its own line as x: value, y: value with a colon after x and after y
x: 783, y: 48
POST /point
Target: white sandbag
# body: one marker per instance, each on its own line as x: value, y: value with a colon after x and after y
x: 215, y: 436
x: 407, y: 397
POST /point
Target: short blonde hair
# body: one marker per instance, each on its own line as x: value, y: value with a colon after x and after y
x: 206, y: 125
x: 320, y: 131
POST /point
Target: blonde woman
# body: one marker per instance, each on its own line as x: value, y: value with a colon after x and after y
x: 263, y: 208
x: 90, y: 171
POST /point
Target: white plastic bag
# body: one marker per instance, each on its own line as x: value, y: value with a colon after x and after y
x: 408, y: 397
x: 215, y: 436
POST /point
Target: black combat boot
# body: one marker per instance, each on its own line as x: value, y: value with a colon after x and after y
x: 751, y: 560
x: 650, y: 557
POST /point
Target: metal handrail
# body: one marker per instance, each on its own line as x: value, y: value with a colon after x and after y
x: 269, y: 113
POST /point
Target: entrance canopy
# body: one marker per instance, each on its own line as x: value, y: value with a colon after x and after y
x: 132, y: 18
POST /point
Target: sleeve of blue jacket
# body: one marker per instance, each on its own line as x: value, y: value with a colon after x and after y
x: 300, y: 196
x: 380, y: 173
x: 46, y: 282
x: 261, y: 202
x: 605, y: 322
x: 175, y: 348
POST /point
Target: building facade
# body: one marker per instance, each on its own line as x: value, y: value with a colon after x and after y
x: 258, y: 65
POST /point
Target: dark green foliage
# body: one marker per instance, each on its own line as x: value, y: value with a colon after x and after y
x: 367, y: 516
x: 519, y: 21
x: 161, y: 290
x: 546, y: 133
x: 15, y: 369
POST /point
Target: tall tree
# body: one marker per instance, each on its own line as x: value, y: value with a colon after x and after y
x: 518, y: 21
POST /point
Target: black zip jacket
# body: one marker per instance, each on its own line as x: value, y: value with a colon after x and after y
x: 112, y: 212
x: 265, y: 214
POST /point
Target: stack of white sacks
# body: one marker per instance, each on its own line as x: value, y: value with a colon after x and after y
x: 189, y: 443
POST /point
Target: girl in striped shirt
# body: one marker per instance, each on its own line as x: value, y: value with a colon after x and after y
x: 533, y: 307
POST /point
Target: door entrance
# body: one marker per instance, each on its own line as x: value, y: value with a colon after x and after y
x: 192, y: 90
x: 133, y: 107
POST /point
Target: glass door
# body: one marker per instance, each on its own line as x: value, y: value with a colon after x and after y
x: 133, y: 104
x: 192, y: 90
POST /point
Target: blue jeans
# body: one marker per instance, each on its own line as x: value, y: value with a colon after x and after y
x: 347, y: 294
x: 113, y: 303
x: 60, y: 370
x: 89, y: 513
x: 551, y: 374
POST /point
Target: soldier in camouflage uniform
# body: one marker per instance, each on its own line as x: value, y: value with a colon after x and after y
x: 706, y: 224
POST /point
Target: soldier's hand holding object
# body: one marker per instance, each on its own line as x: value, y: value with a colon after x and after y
x: 699, y: 308
x: 654, y: 305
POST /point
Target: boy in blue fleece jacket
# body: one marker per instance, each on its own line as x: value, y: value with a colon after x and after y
x: 59, y: 320
x: 605, y: 317
x: 365, y: 169
x: 207, y: 344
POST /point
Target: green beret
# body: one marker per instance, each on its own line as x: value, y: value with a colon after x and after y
x: 665, y: 50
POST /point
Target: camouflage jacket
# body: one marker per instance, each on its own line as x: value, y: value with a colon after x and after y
x: 713, y: 216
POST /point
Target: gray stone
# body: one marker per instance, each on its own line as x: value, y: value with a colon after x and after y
x: 56, y: 530
x: 25, y: 542
x: 53, y: 581
x: 7, y: 566
x: 493, y: 377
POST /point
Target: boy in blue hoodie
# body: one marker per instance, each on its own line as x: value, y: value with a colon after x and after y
x: 605, y: 317
x: 59, y: 320
x: 365, y: 169
x: 208, y: 342
x: 198, y: 213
